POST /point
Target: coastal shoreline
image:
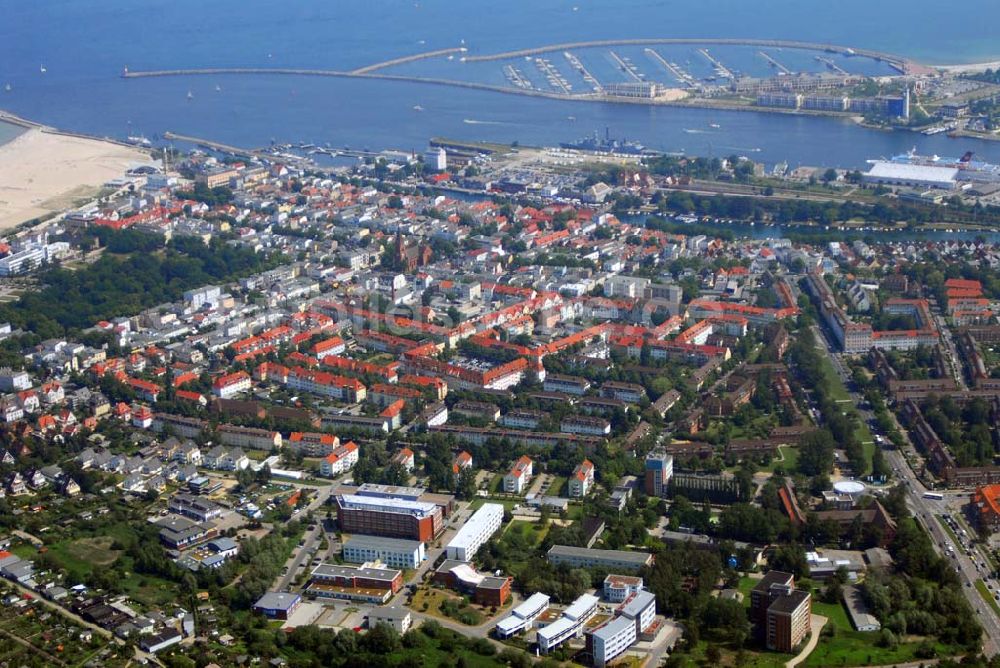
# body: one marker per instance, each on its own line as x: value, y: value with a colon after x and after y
x: 44, y: 171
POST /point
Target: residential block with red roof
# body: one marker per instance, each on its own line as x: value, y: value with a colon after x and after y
x: 582, y: 479
x: 517, y: 479
x: 232, y: 384
x: 341, y: 460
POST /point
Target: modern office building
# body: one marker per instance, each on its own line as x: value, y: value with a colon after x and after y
x: 570, y: 625
x: 523, y: 616
x: 391, y: 517
x: 399, y: 619
x: 779, y: 611
x: 475, y: 532
x: 789, y: 620
x: 394, y: 552
x: 617, y: 588
x: 277, y: 605
x: 640, y: 608
x: 355, y: 583
x: 659, y: 470
x: 611, y: 640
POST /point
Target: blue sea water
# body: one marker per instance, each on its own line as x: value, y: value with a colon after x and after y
x: 83, y: 47
x: 8, y: 132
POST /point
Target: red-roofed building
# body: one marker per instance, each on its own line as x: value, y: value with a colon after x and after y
x: 963, y: 284
x: 987, y: 505
x: 436, y: 385
x: 385, y: 394
x: 310, y: 444
x: 230, y: 385
x: 462, y: 461
x: 182, y: 379
x: 404, y: 458
x: 517, y: 479
x: 331, y: 346
x: 582, y: 480
x: 394, y: 413
x: 346, y: 389
x: 144, y: 389
x: 142, y: 417
x: 341, y: 460
x: 192, y: 397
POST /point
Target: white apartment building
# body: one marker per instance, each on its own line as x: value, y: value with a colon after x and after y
x: 392, y: 552
x: 475, y: 532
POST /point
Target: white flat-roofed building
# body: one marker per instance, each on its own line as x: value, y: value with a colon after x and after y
x: 885, y: 172
x: 394, y: 552
x: 611, y: 640
x: 640, y: 607
x: 617, y: 588
x: 398, y: 618
x: 198, y: 297
x: 571, y: 624
x: 582, y: 608
x: 582, y: 557
x: 475, y: 532
x: 436, y: 158
x: 523, y: 616
x: 381, y: 504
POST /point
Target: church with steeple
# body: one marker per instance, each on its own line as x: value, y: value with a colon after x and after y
x: 407, y: 258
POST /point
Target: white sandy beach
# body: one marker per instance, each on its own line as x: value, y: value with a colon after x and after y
x: 41, y: 172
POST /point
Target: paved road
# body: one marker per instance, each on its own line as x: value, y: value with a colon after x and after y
x: 924, y: 510
x: 817, y: 622
x: 302, y: 555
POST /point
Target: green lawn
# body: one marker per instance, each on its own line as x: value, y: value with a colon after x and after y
x: 837, y: 390
x: 575, y: 512
x: 496, y: 483
x: 533, y: 531
x: 948, y: 530
x: 558, y: 486
x: 987, y: 596
x: 476, y: 504
x: 788, y: 459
